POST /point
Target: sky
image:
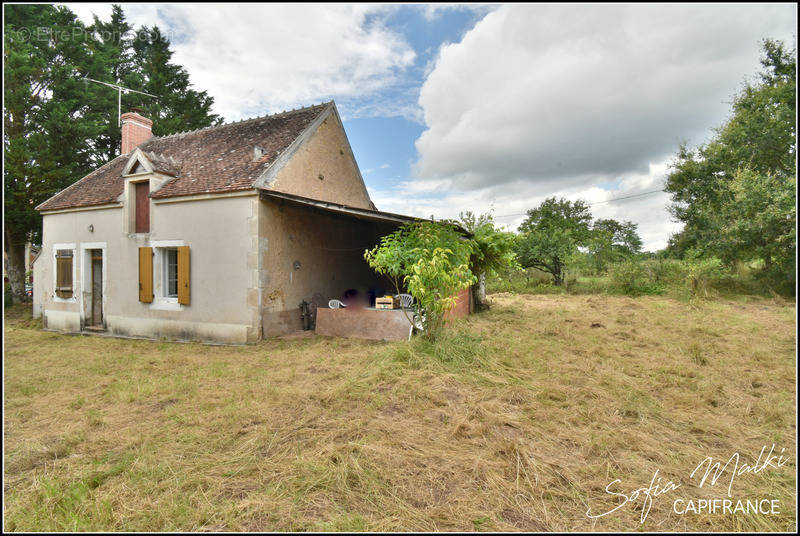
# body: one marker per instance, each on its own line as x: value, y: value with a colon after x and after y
x: 485, y: 107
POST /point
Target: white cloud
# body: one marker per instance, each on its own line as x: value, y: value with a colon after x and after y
x: 541, y: 100
x: 509, y: 203
x: 432, y: 12
x: 370, y: 170
x: 257, y: 58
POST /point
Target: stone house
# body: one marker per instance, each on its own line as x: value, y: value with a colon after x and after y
x: 217, y: 234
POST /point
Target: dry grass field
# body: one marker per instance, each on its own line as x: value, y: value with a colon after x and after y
x: 518, y: 420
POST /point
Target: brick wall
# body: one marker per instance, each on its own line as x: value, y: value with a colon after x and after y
x: 135, y: 131
x: 463, y: 305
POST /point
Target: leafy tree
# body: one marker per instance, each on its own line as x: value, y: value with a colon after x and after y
x: 624, y: 235
x: 601, y: 250
x: 612, y: 241
x: 431, y: 260
x: 59, y: 127
x: 749, y: 163
x: 551, y: 235
x: 493, y: 250
x: 759, y: 221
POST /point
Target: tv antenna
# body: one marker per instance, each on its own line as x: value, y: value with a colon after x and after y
x: 120, y: 91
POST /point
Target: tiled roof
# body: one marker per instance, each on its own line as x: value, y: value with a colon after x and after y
x: 211, y: 160
x: 164, y: 164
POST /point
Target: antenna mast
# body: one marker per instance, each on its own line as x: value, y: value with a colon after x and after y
x: 120, y: 91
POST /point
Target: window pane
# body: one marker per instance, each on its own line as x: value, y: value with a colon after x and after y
x: 64, y: 273
x: 171, y: 284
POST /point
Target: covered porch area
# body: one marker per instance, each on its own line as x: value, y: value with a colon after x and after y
x: 314, y: 253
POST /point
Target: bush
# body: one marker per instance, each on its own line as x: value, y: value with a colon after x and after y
x: 527, y: 281
x: 682, y: 279
x: 431, y: 260
x: 634, y: 278
x: 667, y: 272
x: 703, y: 274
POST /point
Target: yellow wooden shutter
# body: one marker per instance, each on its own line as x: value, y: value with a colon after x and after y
x: 183, y: 275
x: 146, y: 275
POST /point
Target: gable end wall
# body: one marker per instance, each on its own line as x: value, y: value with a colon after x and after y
x: 326, y: 153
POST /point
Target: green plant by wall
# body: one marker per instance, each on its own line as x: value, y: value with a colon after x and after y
x: 431, y: 260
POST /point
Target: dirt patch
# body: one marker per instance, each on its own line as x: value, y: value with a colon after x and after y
x: 393, y: 409
x: 163, y: 404
x: 522, y: 521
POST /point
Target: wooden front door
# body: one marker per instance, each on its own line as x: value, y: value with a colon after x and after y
x: 97, y: 287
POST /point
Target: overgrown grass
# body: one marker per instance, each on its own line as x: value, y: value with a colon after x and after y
x: 683, y: 280
x: 516, y: 419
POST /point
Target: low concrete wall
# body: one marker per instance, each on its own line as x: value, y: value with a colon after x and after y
x: 178, y: 330
x: 388, y: 325
x: 62, y: 320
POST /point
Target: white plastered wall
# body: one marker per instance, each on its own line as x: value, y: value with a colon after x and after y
x: 218, y: 232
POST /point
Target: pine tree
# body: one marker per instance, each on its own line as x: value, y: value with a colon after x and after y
x: 43, y: 120
x: 179, y: 107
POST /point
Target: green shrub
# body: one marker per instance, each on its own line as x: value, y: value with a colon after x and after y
x: 527, y: 281
x: 634, y: 278
x: 704, y: 274
x: 429, y: 259
x: 667, y: 272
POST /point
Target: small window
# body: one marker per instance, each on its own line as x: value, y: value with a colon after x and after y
x: 170, y: 281
x: 64, y: 273
x: 142, y: 207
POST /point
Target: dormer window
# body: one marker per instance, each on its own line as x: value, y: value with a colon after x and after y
x: 142, y: 206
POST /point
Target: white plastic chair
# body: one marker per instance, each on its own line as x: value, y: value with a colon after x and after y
x: 336, y: 304
x: 417, y: 320
x: 405, y: 300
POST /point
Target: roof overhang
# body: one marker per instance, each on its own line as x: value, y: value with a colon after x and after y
x: 336, y: 208
x: 375, y: 216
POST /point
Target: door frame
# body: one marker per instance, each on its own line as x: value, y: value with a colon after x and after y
x: 86, y: 281
x: 91, y: 306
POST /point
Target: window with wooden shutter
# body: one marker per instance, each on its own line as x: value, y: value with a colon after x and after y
x: 169, y: 260
x: 142, y: 207
x: 64, y: 273
x: 183, y: 275
x: 146, y: 275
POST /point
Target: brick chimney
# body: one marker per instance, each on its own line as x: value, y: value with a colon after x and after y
x: 136, y: 130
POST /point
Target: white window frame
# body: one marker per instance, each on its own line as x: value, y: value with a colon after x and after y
x: 71, y: 246
x: 160, y: 301
x: 165, y: 273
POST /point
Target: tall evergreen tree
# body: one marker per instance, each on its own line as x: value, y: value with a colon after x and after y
x: 178, y: 107
x: 112, y: 44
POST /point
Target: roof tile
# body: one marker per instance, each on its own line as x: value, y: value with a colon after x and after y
x: 209, y: 160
